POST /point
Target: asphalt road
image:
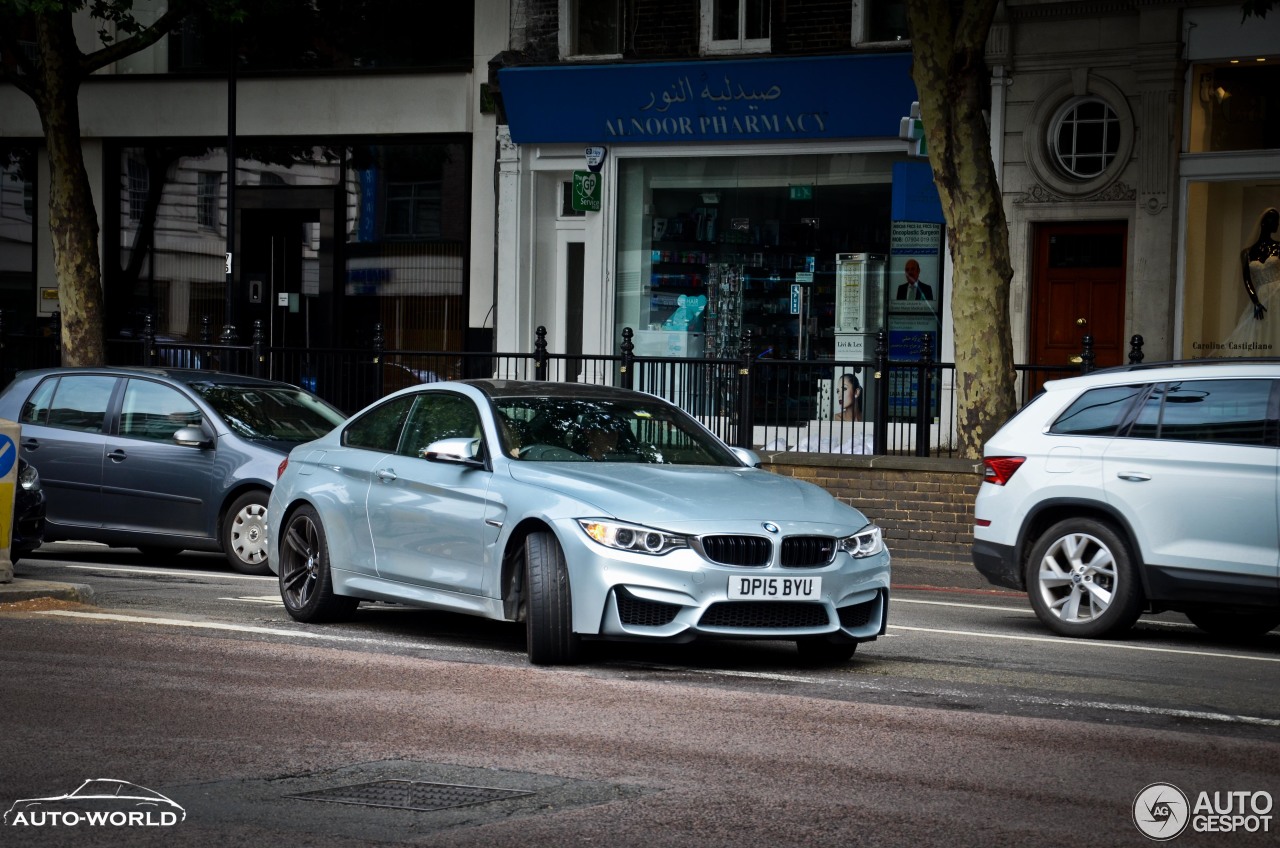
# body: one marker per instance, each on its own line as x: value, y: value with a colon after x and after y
x: 966, y: 725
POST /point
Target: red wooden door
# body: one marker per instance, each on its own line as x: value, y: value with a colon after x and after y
x: 1078, y: 288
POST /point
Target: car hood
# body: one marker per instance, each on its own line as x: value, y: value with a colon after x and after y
x: 681, y: 493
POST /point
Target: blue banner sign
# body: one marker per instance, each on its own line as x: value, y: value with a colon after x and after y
x: 821, y: 97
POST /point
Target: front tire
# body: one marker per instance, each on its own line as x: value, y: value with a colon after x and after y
x: 306, y: 577
x: 549, y: 608
x: 1082, y: 581
x: 244, y: 533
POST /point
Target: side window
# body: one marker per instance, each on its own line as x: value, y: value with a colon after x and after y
x: 437, y: 416
x: 1097, y: 412
x: 880, y: 21
x: 590, y: 28
x: 379, y: 428
x: 37, y: 408
x: 1223, y: 411
x: 735, y: 26
x: 80, y: 403
x: 155, y: 412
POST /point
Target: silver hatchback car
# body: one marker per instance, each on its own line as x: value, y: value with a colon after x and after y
x: 585, y: 512
x: 161, y: 459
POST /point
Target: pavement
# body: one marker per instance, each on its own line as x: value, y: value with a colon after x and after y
x: 907, y: 574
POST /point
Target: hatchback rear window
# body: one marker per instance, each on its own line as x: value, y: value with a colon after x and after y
x: 1097, y: 412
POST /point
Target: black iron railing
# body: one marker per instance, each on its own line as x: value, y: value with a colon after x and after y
x: 907, y: 406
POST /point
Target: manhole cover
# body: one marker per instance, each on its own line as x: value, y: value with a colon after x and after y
x: 410, y: 795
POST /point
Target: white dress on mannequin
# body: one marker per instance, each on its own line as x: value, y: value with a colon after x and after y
x: 1253, y: 336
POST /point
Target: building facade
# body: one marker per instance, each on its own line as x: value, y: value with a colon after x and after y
x: 364, y: 150
x: 688, y: 170
x: 748, y: 176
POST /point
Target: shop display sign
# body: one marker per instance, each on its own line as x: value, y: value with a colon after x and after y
x: 586, y: 191
x: 810, y: 97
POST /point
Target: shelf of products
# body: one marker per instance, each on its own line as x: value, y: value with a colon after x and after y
x: 752, y: 282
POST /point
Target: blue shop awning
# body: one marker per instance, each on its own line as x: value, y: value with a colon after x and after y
x: 820, y: 97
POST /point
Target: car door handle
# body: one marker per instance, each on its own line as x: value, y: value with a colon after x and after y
x: 1134, y: 476
x: 30, y: 444
x: 386, y: 475
x: 117, y: 455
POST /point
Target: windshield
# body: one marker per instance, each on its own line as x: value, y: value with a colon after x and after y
x: 270, y: 413
x: 582, y: 430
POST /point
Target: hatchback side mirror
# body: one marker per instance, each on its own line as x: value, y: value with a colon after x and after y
x: 191, y: 437
x: 748, y: 458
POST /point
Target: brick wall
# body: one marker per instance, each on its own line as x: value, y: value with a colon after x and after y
x: 924, y: 505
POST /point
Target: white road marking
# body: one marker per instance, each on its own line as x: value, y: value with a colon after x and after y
x: 173, y: 572
x: 787, y: 678
x: 897, y: 600
x: 234, y: 628
x: 1084, y: 643
x: 1146, y: 622
x: 269, y: 600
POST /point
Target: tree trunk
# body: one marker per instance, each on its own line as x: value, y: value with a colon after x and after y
x: 73, y: 220
x: 948, y: 42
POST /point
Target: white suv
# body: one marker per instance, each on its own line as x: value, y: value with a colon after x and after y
x: 1140, y: 489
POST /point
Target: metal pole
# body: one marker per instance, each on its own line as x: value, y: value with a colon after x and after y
x: 229, y: 336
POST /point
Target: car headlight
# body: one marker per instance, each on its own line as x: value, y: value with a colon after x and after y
x: 29, y: 479
x: 631, y: 537
x: 866, y: 542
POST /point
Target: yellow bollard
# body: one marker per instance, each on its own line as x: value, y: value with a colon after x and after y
x: 10, y: 432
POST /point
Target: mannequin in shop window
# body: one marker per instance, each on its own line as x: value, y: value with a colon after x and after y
x: 844, y: 433
x: 1255, y: 333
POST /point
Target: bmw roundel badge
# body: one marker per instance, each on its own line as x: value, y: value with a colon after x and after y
x: 771, y: 527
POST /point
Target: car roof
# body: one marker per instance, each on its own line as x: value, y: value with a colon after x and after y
x: 498, y: 389
x: 188, y: 376
x: 1189, y: 369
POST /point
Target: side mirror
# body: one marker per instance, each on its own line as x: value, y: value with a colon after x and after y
x: 748, y: 458
x: 191, y: 437
x: 457, y: 451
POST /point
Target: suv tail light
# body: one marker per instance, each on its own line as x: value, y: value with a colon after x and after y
x: 284, y: 463
x: 998, y: 469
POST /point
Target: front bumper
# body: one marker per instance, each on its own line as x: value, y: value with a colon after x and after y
x: 681, y: 596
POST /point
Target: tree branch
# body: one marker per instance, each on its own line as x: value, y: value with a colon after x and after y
x: 140, y: 40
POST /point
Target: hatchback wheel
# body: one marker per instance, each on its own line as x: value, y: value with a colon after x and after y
x: 1081, y: 580
x: 306, y: 579
x: 244, y: 533
x: 1234, y: 624
x: 549, y: 612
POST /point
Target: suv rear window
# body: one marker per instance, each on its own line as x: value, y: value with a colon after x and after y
x: 1097, y: 412
x: 1222, y: 411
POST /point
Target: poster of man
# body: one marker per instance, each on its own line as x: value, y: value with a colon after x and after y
x: 912, y: 287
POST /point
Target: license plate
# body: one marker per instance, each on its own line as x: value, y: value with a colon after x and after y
x: 760, y: 588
